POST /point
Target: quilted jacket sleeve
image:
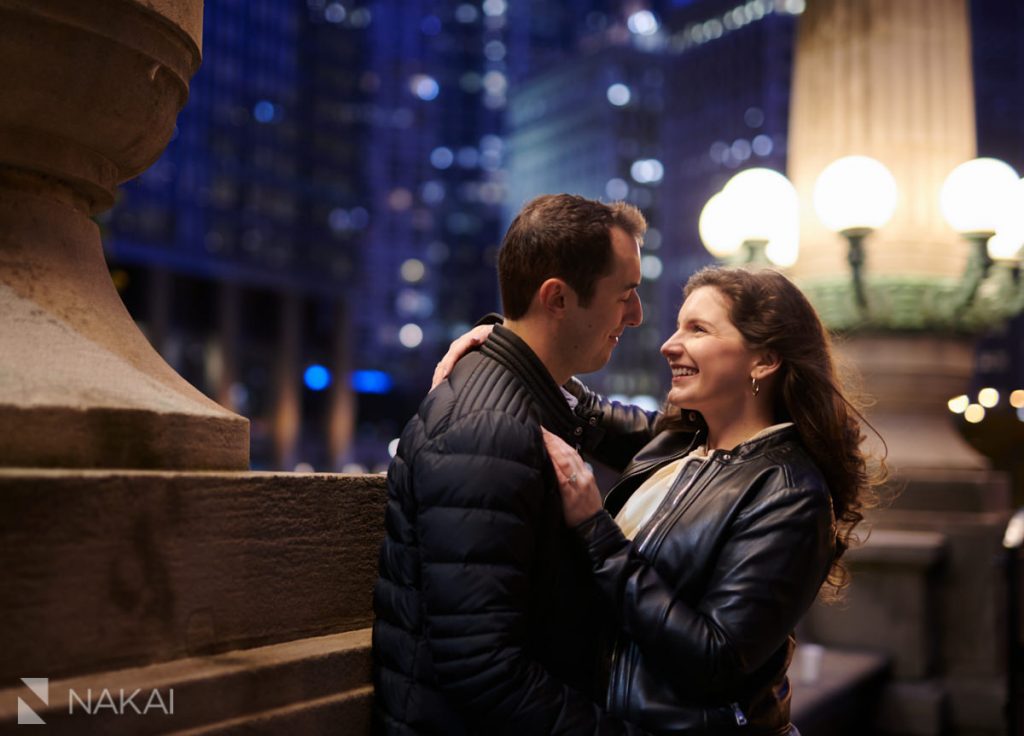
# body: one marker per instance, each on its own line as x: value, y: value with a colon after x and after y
x: 764, y: 578
x: 480, y: 503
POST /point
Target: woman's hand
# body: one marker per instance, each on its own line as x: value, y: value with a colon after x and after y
x: 459, y: 347
x: 580, y: 497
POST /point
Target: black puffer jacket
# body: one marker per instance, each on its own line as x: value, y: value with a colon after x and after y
x: 707, y: 595
x: 487, y: 616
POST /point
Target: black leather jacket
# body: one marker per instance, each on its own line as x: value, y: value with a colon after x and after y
x: 709, y: 592
x: 487, y: 616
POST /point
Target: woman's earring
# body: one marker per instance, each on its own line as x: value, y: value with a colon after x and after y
x: 754, y: 388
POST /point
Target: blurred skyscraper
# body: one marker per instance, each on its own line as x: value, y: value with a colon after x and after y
x: 659, y: 109
x: 235, y: 248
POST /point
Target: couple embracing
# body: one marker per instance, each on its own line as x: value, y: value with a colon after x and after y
x: 514, y: 597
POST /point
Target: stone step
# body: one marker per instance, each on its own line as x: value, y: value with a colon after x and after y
x: 346, y: 713
x: 314, y: 685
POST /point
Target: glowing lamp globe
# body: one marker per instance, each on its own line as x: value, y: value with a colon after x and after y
x: 766, y: 204
x: 855, y: 193
x: 717, y: 227
x: 784, y: 248
x: 1006, y: 244
x: 976, y: 194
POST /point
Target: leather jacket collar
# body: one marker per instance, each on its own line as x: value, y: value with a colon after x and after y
x: 669, y: 446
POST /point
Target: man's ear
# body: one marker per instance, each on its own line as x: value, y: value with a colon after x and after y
x: 767, y: 364
x: 553, y: 296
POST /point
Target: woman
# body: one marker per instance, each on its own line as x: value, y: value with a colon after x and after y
x: 731, y: 518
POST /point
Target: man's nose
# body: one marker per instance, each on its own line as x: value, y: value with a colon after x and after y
x: 635, y: 313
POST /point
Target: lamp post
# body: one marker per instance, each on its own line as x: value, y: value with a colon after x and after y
x: 753, y: 220
x: 854, y: 196
x: 975, y: 198
x: 982, y: 200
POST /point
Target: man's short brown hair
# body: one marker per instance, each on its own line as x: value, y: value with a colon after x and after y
x: 561, y: 236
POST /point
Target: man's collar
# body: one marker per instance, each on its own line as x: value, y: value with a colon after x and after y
x: 510, y: 350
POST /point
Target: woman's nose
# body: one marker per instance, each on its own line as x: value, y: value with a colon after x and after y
x: 671, y: 346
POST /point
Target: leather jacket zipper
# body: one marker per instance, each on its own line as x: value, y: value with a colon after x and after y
x: 660, y: 526
x: 616, y: 676
x: 737, y: 712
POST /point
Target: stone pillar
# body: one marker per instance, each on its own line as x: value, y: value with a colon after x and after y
x: 158, y: 308
x: 907, y: 381
x: 121, y: 569
x: 890, y: 80
x: 91, y: 94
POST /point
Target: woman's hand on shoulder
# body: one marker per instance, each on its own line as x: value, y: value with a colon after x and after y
x: 581, y: 498
x: 459, y: 347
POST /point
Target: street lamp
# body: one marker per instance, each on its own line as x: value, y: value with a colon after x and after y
x: 981, y: 199
x: 977, y: 200
x: 753, y: 220
x: 854, y: 196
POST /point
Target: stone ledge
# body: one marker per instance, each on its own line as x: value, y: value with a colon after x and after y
x: 108, y: 569
x: 949, y: 490
x: 302, y: 686
x: 345, y: 713
x: 843, y: 698
x: 899, y: 547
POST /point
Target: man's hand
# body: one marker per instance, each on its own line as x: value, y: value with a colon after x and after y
x: 581, y: 498
x: 459, y: 347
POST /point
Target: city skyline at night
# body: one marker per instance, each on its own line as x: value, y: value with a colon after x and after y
x: 342, y: 175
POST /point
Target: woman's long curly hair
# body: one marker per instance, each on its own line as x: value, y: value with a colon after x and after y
x: 771, y: 313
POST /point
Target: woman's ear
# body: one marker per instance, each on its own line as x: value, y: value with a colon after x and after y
x: 767, y: 364
x: 552, y: 295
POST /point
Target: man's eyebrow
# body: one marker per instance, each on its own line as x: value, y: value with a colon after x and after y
x: 631, y: 285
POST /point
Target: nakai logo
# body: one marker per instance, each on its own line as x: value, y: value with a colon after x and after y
x: 92, y: 702
x: 40, y: 687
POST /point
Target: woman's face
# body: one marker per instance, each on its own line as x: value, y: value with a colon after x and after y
x: 710, y: 362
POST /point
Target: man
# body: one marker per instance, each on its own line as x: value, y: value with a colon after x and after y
x: 485, y: 611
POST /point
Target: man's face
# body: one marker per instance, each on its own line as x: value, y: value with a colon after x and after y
x: 593, y: 331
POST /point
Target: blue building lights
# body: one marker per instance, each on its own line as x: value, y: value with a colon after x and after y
x: 316, y: 377
x: 371, y: 382
x: 264, y: 111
